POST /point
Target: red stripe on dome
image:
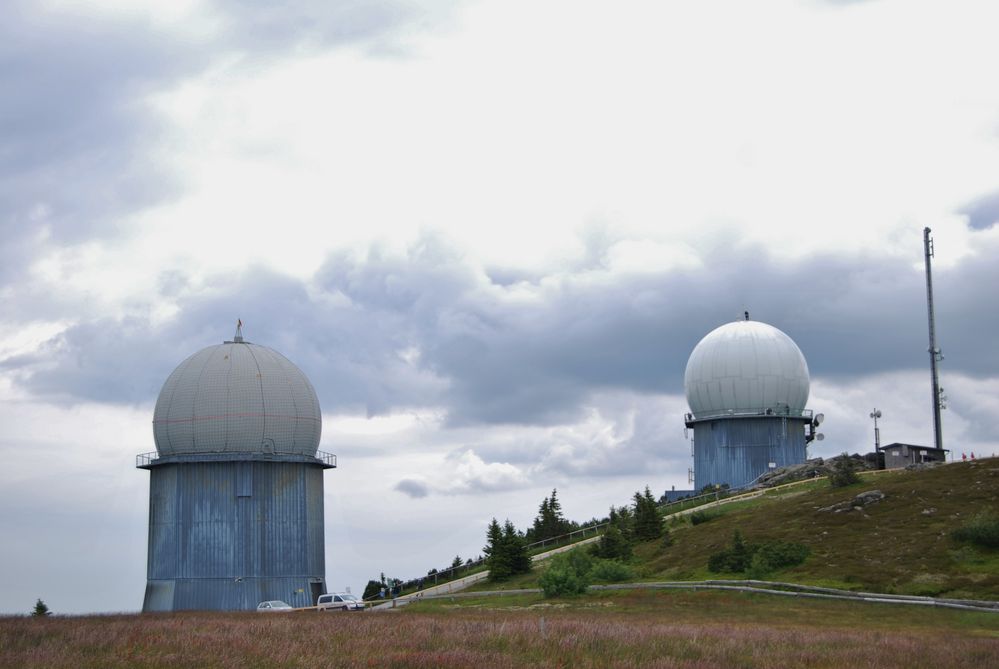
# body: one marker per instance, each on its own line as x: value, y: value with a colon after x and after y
x: 235, y: 415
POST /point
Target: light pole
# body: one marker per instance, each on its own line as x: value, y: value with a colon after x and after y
x: 877, y: 437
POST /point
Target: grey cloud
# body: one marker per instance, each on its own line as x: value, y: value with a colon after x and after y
x: 73, y: 137
x: 426, y: 329
x: 260, y: 26
x: 76, y: 140
x: 412, y: 488
x: 983, y: 213
x: 350, y: 354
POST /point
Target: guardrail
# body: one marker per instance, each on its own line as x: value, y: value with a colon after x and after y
x: 764, y: 588
x: 146, y: 459
x: 778, y: 411
x: 442, y: 576
x: 568, y: 538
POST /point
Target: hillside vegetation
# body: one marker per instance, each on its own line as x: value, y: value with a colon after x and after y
x: 902, y: 544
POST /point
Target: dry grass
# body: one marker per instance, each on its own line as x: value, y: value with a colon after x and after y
x: 638, y: 630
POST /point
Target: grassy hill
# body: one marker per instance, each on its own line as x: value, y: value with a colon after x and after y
x: 902, y: 544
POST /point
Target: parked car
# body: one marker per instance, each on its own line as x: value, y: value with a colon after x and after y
x: 273, y: 606
x: 339, y: 601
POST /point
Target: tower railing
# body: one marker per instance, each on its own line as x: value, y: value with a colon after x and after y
x: 779, y: 411
x: 147, y: 459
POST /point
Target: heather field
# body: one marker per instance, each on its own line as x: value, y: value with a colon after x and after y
x: 637, y: 629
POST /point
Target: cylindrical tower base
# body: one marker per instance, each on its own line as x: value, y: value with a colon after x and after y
x: 226, y: 535
x: 737, y: 451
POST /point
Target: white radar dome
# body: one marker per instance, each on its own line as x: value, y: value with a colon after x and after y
x: 237, y: 397
x: 746, y: 367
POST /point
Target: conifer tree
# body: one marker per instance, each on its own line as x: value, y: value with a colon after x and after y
x: 516, y: 547
x: 506, y: 551
x: 616, y: 542
x: 550, y: 522
x: 41, y: 609
x: 648, y: 523
x: 493, y: 550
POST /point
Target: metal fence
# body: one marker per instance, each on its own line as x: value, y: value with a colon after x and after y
x: 326, y: 458
x: 146, y: 459
x: 437, y: 577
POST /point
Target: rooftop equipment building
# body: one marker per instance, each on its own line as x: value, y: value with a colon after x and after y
x: 747, y: 385
x: 235, y: 484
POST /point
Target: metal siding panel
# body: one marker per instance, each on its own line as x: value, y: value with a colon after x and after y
x: 737, y: 451
x: 158, y: 597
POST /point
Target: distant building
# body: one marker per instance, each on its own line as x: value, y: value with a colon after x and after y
x: 900, y: 455
x: 235, y: 484
x: 746, y: 384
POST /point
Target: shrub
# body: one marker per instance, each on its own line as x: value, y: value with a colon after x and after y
x: 561, y: 581
x: 733, y: 559
x: 757, y: 560
x: 844, y: 472
x: 698, y: 517
x: 613, y: 545
x: 580, y: 559
x: 982, y: 530
x: 567, y: 574
x: 611, y: 571
x: 771, y: 556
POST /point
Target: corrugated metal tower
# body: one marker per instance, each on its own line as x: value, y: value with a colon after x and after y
x: 747, y: 385
x: 235, y: 484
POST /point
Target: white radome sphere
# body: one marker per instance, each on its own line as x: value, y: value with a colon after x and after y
x: 237, y: 397
x: 746, y: 367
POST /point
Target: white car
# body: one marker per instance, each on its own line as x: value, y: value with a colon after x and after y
x: 339, y: 601
x: 273, y: 606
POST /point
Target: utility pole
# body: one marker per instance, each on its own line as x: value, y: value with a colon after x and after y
x: 877, y: 438
x: 935, y: 355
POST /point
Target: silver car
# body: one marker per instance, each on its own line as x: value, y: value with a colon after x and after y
x: 339, y: 601
x: 273, y: 606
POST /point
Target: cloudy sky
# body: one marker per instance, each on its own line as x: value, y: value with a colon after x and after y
x: 490, y: 233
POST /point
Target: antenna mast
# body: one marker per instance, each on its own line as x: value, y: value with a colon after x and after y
x: 935, y: 355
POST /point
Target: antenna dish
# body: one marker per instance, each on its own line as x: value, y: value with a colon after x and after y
x: 819, y: 436
x: 819, y: 417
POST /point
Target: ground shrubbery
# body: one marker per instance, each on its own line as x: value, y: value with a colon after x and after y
x: 611, y: 571
x: 567, y: 574
x: 698, y: 517
x: 572, y: 572
x: 757, y: 560
x: 982, y: 530
x: 844, y: 472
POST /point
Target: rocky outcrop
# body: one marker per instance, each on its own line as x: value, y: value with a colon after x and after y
x: 857, y: 503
